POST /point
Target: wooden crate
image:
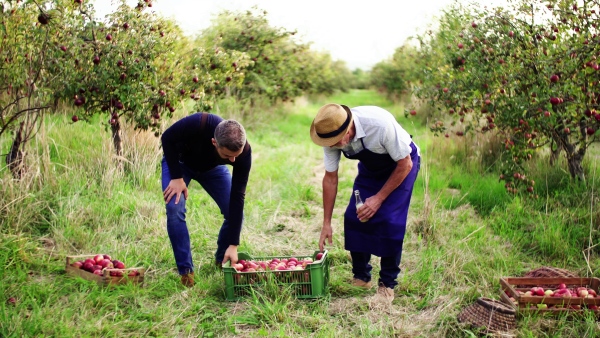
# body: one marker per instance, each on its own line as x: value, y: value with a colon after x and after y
x: 515, y: 287
x: 106, y: 279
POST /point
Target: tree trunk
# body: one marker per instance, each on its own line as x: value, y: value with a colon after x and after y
x: 575, y: 167
x: 555, y: 150
x: 15, y: 159
x: 573, y: 155
x: 117, y: 141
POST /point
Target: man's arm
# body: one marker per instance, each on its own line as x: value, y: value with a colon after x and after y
x: 373, y: 203
x: 330, y: 185
x: 237, y: 199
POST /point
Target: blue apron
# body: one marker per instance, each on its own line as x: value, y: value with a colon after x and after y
x: 383, y: 234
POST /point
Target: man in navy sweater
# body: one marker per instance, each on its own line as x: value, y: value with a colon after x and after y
x: 198, y: 147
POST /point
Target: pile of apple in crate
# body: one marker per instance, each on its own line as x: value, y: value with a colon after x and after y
x: 555, y: 295
x: 305, y: 276
x: 103, y: 269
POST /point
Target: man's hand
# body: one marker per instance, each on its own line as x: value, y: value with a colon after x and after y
x: 369, y: 208
x: 175, y: 188
x: 326, y: 233
x: 231, y: 255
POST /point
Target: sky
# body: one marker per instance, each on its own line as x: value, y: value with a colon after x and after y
x: 361, y: 33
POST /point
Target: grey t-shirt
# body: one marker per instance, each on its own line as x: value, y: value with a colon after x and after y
x: 380, y: 132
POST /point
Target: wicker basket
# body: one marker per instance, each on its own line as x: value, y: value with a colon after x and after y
x: 548, y: 272
x: 490, y: 314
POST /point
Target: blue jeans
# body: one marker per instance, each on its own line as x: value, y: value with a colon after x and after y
x: 390, y: 268
x: 217, y: 183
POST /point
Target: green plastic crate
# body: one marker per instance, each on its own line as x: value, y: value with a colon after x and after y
x: 310, y: 282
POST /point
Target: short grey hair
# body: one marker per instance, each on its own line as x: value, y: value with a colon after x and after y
x: 231, y: 135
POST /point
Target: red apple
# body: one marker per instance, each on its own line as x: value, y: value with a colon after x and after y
x: 118, y: 264
x: 98, y: 258
x: 116, y: 273
x: 43, y: 18
x: 538, y: 291
x: 319, y: 256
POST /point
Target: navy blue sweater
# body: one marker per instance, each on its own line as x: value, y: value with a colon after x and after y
x: 185, y: 142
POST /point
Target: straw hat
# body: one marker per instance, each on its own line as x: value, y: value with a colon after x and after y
x: 330, y: 125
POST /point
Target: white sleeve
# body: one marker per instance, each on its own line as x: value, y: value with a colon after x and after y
x: 392, y: 141
x: 332, y: 158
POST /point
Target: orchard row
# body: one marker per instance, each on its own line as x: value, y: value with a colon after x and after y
x: 527, y: 73
x: 139, y: 67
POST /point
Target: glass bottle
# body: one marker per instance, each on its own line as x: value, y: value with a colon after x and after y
x: 359, y: 202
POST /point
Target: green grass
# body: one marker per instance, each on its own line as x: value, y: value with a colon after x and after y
x: 464, y: 233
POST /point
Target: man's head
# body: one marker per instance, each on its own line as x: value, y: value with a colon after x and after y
x: 229, y: 139
x: 330, y: 125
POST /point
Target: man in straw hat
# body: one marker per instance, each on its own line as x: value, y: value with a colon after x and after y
x: 388, y: 163
x: 198, y: 147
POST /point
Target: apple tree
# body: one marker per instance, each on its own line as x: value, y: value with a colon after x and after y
x: 125, y: 67
x: 211, y: 74
x: 395, y: 76
x: 527, y: 74
x: 28, y: 33
x: 319, y: 74
x: 280, y: 68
